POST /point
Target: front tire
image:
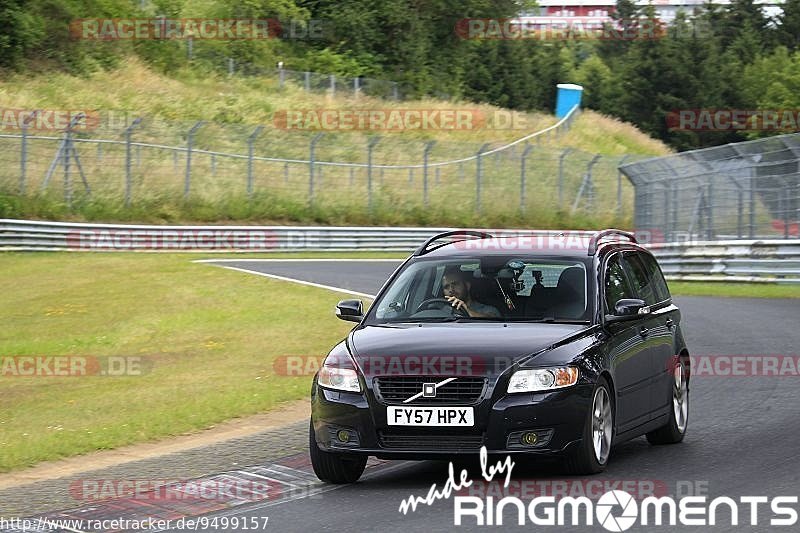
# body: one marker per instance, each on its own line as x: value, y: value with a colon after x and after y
x: 591, y: 455
x: 675, y: 428
x: 337, y: 468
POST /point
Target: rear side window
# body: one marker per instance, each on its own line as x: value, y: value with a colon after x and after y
x: 652, y: 289
x: 654, y: 273
x: 616, y: 286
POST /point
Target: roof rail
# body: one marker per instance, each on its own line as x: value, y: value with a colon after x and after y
x: 422, y: 250
x: 594, y: 242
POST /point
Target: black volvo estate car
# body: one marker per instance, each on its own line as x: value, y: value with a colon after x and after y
x: 540, y: 348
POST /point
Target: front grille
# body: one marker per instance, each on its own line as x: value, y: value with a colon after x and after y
x: 429, y: 441
x: 461, y: 391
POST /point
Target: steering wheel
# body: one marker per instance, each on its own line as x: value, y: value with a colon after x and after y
x: 440, y: 303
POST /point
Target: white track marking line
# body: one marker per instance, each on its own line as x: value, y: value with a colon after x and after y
x: 301, y: 282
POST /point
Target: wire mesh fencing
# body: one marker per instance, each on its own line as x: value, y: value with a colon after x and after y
x: 139, y: 161
x: 742, y: 190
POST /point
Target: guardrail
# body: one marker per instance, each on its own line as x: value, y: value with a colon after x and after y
x: 775, y: 261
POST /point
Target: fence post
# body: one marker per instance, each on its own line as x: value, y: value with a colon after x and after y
x: 426, y: 152
x: 356, y: 86
x: 370, y: 146
x: 250, y: 140
x: 586, y: 184
x: 307, y: 81
x: 739, y: 221
x: 23, y: 162
x: 561, y: 177
x: 311, y: 155
x: 619, y: 185
x: 230, y: 67
x: 787, y: 203
x: 333, y: 84
x: 752, y: 201
x: 523, y: 158
x: 710, y: 209
x: 395, y: 93
x: 189, y: 141
x: 67, y: 177
x: 128, y: 133
x: 281, y: 75
x: 479, y: 176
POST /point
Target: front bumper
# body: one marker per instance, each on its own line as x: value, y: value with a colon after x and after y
x: 557, y: 417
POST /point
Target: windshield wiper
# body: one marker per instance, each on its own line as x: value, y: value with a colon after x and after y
x: 438, y: 319
x: 548, y: 320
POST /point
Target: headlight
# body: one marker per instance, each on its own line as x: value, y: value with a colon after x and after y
x: 344, y: 379
x: 543, y: 379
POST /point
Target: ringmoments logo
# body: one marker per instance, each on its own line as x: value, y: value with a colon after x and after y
x: 615, y: 510
x: 618, y: 510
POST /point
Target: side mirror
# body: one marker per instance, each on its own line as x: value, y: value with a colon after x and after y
x: 628, y: 309
x: 350, y: 310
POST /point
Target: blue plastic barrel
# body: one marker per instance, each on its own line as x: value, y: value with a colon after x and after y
x: 568, y: 96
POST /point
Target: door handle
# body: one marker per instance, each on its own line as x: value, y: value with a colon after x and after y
x: 643, y: 331
x: 669, y: 323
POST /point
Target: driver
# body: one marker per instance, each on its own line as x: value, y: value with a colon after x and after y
x: 457, y: 292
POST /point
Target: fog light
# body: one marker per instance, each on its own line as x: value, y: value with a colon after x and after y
x: 343, y: 435
x: 530, y: 438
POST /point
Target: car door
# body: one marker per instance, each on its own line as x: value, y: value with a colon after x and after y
x: 662, y: 325
x: 631, y: 363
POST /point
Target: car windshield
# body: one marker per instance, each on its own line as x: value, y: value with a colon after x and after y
x: 487, y: 289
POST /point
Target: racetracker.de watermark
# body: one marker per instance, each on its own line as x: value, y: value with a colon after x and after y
x: 188, y: 239
x: 48, y: 119
x: 559, y: 29
x: 391, y: 119
x: 699, y: 120
x: 593, y: 489
x: 176, y: 490
x: 396, y: 365
x: 741, y: 365
x: 125, y: 29
x: 24, y: 366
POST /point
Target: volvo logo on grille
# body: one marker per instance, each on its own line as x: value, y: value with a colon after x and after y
x: 429, y: 390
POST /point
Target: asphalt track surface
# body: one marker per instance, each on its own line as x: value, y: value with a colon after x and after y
x: 743, y: 437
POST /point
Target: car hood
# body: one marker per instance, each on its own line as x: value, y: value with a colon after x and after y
x: 452, y: 348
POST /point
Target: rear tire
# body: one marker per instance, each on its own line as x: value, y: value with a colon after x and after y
x: 591, y: 454
x: 337, y: 468
x: 675, y: 428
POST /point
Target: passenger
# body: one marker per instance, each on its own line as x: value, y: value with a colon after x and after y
x: 457, y: 291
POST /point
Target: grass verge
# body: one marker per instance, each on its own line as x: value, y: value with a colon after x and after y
x: 733, y: 290
x: 208, y: 336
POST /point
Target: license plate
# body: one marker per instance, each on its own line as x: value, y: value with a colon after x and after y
x: 398, y: 415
